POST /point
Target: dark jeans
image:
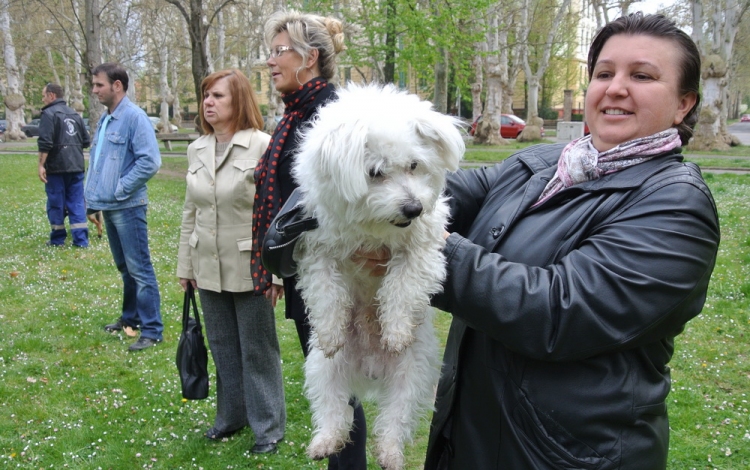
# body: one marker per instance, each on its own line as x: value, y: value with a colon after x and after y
x: 128, y: 240
x: 354, y: 455
x: 65, y: 199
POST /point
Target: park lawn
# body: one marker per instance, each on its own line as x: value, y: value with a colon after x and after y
x: 735, y: 157
x: 72, y: 396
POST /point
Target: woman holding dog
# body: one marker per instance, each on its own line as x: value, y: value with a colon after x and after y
x: 303, y: 68
x: 214, y: 257
x: 571, y: 270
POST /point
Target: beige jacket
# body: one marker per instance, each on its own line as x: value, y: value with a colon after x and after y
x: 216, y: 235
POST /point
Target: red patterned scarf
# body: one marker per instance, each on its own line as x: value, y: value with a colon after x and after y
x: 580, y: 161
x: 267, y: 193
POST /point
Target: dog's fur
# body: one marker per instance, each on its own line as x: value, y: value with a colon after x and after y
x: 371, y: 168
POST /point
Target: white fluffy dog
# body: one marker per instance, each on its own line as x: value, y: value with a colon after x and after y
x: 371, y: 169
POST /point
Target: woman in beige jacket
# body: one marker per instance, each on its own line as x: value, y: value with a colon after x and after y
x: 214, y: 256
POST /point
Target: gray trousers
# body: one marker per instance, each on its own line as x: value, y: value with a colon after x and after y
x: 241, y: 331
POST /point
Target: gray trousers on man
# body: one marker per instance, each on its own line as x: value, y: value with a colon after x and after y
x: 241, y: 331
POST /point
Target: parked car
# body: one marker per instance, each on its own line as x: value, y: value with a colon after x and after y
x: 3, y: 125
x: 745, y: 118
x: 155, y: 121
x: 510, y: 126
x: 31, y: 129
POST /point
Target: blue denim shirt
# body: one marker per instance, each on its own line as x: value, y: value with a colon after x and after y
x: 129, y: 158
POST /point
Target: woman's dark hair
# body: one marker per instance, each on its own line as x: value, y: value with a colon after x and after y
x: 114, y: 72
x: 658, y: 26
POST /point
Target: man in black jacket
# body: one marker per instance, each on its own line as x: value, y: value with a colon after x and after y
x: 62, y: 138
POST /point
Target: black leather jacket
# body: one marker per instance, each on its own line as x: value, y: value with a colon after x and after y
x: 564, y: 315
x: 63, y: 136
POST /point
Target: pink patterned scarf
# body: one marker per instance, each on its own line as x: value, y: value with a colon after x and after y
x: 580, y: 161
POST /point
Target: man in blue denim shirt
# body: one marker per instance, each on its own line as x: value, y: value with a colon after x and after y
x: 124, y: 157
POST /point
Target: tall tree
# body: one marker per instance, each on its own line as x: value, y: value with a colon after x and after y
x: 488, y: 130
x: 193, y: 11
x: 534, y: 124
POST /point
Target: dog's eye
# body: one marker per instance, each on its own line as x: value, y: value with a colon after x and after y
x: 413, y: 166
x: 376, y: 173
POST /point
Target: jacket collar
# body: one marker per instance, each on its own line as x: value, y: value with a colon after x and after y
x: 57, y: 101
x: 120, y: 109
x: 539, y: 164
x: 205, y: 147
x: 241, y: 138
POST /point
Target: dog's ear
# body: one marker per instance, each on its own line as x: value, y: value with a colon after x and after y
x: 442, y: 133
x: 336, y: 157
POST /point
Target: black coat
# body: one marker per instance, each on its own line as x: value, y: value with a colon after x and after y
x: 564, y: 315
x: 295, y: 306
x: 63, y: 136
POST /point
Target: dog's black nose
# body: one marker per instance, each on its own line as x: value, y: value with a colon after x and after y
x: 411, y: 210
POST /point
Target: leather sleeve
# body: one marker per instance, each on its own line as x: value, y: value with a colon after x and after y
x: 638, y: 278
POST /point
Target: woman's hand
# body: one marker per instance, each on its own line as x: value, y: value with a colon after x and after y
x: 374, y: 261
x: 274, y: 293
x: 184, y: 283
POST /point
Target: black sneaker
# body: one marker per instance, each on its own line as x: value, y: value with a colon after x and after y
x: 143, y: 343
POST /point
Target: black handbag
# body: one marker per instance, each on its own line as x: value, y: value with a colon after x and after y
x: 192, y: 356
x: 282, y: 236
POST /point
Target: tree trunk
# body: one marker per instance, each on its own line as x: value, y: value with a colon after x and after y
x: 220, y: 41
x: 73, y: 69
x: 488, y: 131
x: 389, y: 69
x: 166, y: 95
x: 533, y: 129
x: 176, y: 110
x: 52, y: 66
x: 92, y: 58
x: 714, y: 33
x: 511, y: 57
x: 14, y: 100
x: 198, y: 24
x: 476, y: 87
x: 440, y: 98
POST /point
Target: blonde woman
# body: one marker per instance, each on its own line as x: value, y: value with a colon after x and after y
x: 302, y: 63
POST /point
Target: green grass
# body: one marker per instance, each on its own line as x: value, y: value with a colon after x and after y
x: 736, y: 157
x: 71, y: 395
x: 709, y: 162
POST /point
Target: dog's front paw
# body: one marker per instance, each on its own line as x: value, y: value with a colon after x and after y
x: 396, y: 341
x: 324, y: 446
x: 330, y: 343
x: 390, y: 456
